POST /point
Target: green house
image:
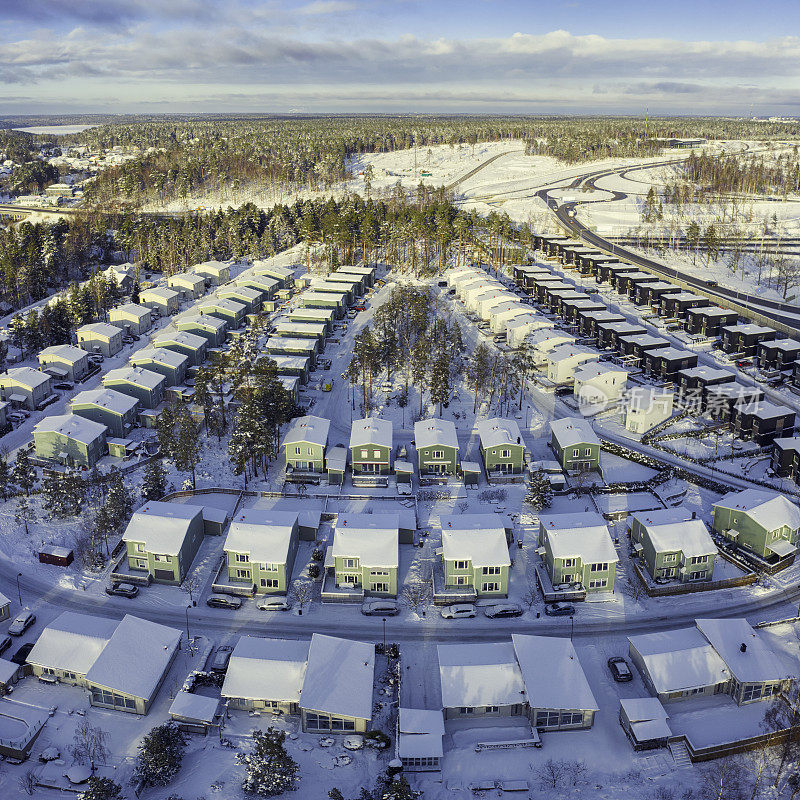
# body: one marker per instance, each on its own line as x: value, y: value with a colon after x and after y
x: 162, y: 539
x: 366, y: 556
x: 190, y: 344
x: 212, y: 329
x: 143, y: 384
x: 476, y: 559
x: 760, y: 521
x: 260, y: 549
x: 169, y: 363
x: 117, y: 411
x: 575, y: 444
x: 578, y: 549
x: 70, y: 440
x: 502, y: 448
x: 371, y: 446
x: 437, y: 447
x: 673, y: 544
x: 304, y: 444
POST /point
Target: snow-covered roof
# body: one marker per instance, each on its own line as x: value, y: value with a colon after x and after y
x: 570, y: 431
x: 552, y: 673
x: 580, y: 538
x: 9, y: 670
x: 161, y: 526
x: 763, y: 409
x: 643, y: 339
x: 223, y: 304
x: 336, y: 457
x: 671, y: 353
x: 159, y: 293
x: 131, y: 310
x: 145, y: 378
x: 647, y: 718
x: 307, y: 429
x: 109, y: 399
x: 685, y: 296
x: 103, y: 330
x: 767, y: 509
x: 691, y: 537
x: 428, y: 432
x: 783, y: 344
x: 211, y: 267
x: 136, y: 657
x: 373, y: 546
x: 339, y: 677
x: 185, y: 279
x: 679, y: 660
x: 484, y: 548
x: 595, y: 369
x: 306, y: 344
x: 72, y: 426
x: 480, y: 674
x: 196, y: 707
x: 201, y: 321
x: 661, y: 516
x: 548, y: 336
x: 372, y: 430
x: 266, y: 669
x: 706, y: 373
x: 711, y: 311
x: 474, y: 522
x: 747, y: 329
x: 180, y: 337
x: 420, y: 733
x: 72, y: 642
x: 298, y: 326
x: 265, y: 534
x: 63, y: 352
x: 743, y: 650
x: 159, y: 355
x: 571, y: 352
x: 289, y: 362
x: 25, y: 376
x: 498, y: 431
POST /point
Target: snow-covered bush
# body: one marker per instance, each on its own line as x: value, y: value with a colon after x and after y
x: 269, y: 769
x: 160, y: 755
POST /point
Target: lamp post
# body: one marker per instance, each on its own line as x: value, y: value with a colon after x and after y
x: 19, y: 591
x: 384, y: 634
x: 572, y: 627
x: 188, y: 637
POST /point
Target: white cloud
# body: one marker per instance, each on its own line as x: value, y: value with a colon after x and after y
x: 319, y: 7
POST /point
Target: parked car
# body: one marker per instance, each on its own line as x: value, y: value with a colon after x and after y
x: 620, y: 670
x: 559, y: 610
x: 21, y: 656
x: 274, y: 604
x: 5, y: 644
x: 122, y: 589
x: 380, y: 608
x: 64, y: 386
x: 21, y: 622
x: 458, y: 610
x: 502, y: 610
x: 221, y: 657
x: 223, y: 601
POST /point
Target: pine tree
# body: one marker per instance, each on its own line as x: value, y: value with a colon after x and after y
x: 160, y: 755
x: 64, y: 495
x: 440, y: 381
x: 396, y: 788
x: 540, y: 491
x: 269, y: 769
x: 98, y: 788
x: 24, y: 474
x: 5, y: 476
x: 112, y: 516
x: 154, y: 482
x: 25, y: 514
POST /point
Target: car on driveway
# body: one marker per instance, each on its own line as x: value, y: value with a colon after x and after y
x: 21, y: 656
x: 458, y: 610
x: 502, y: 610
x: 620, y: 670
x: 21, y: 622
x: 223, y: 601
x: 559, y: 610
x: 380, y: 608
x: 122, y: 589
x: 5, y: 643
x: 274, y: 604
x: 222, y: 655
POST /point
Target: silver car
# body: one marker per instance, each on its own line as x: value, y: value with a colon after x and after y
x: 380, y: 608
x: 458, y: 610
x: 21, y: 623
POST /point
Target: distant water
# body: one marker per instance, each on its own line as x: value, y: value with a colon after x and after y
x: 56, y: 130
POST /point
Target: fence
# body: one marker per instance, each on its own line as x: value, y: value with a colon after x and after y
x: 739, y: 746
x: 691, y: 588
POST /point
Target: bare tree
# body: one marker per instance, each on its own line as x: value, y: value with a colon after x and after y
x: 303, y: 593
x: 725, y: 779
x: 89, y: 744
x: 783, y: 714
x: 530, y: 597
x: 552, y: 773
x: 27, y: 782
x: 416, y: 594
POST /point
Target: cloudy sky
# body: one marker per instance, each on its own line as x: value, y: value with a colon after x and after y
x: 508, y: 56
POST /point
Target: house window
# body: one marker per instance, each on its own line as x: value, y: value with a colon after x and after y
x: 505, y: 454
x: 751, y: 691
x: 269, y: 583
x: 242, y: 573
x: 243, y: 557
x: 699, y: 560
x: 491, y: 709
x: 698, y: 576
x: 380, y: 572
x: 569, y: 562
x: 140, y: 548
x: 491, y: 587
x: 297, y: 451
x: 576, y: 452
x: 380, y: 587
x: 460, y: 564
x: 466, y: 710
x: 491, y: 570
x: 598, y: 584
x: 437, y: 453
x: 376, y: 453
x: 461, y: 580
x: 164, y: 559
x: 599, y: 567
x: 669, y: 558
x: 365, y: 454
x: 350, y: 563
x: 350, y: 579
x: 587, y: 451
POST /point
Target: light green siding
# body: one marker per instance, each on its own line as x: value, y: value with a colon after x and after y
x: 752, y: 536
x: 437, y: 458
x: 375, y: 581
x: 485, y: 581
x: 305, y: 456
x: 163, y: 567
x: 372, y: 459
x: 506, y: 458
x: 583, y: 456
x: 51, y: 444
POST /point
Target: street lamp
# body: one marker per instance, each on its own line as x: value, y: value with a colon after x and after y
x: 19, y: 591
x: 384, y: 634
x: 188, y: 636
x: 572, y: 628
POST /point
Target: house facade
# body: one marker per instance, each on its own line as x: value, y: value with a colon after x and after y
x: 476, y: 559
x: 70, y: 440
x: 366, y: 558
x: 437, y: 447
x: 305, y: 442
x: 117, y: 411
x: 371, y: 446
x: 574, y: 444
x: 501, y: 445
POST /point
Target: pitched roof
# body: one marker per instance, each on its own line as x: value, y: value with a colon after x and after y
x: 266, y: 535
x: 479, y: 674
x: 484, y: 548
x: 72, y: 642
x: 266, y: 669
x: 135, y: 375
x: 690, y: 536
x: 339, y: 677
x: 371, y: 430
x: 374, y: 547
x: 72, y: 426
x: 25, y: 376
x: 103, y: 329
x: 159, y: 355
x: 307, y: 429
x: 765, y: 508
x: 498, y: 431
x: 162, y: 526
x: 430, y: 432
x: 573, y: 430
x: 64, y: 352
x: 109, y: 399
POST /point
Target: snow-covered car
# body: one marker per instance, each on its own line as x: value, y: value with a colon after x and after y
x: 620, y: 670
x: 380, y: 608
x: 559, y: 610
x: 501, y: 610
x: 458, y: 610
x: 64, y: 386
x: 122, y: 589
x: 21, y: 623
x: 223, y: 601
x: 222, y: 655
x: 274, y: 604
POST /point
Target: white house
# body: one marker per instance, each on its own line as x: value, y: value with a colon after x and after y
x: 564, y: 360
x: 647, y: 407
x: 132, y: 318
x: 100, y: 337
x: 64, y: 362
x: 189, y: 285
x: 160, y: 299
x: 599, y: 384
x: 541, y: 342
x: 419, y: 739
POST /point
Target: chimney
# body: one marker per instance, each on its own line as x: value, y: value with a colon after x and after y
x: 743, y: 647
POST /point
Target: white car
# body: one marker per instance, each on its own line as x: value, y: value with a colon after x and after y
x: 22, y: 622
x: 274, y: 604
x: 458, y: 610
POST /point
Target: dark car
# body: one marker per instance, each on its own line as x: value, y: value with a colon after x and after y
x: 502, y: 610
x: 21, y: 656
x: 222, y: 655
x: 5, y: 643
x: 620, y: 669
x: 223, y: 601
x: 120, y: 589
x: 64, y: 386
x: 559, y: 610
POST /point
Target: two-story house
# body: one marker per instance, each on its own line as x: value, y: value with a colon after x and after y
x: 371, y: 446
x: 305, y: 442
x: 366, y: 558
x: 476, y: 559
x: 437, y: 447
x: 501, y: 445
